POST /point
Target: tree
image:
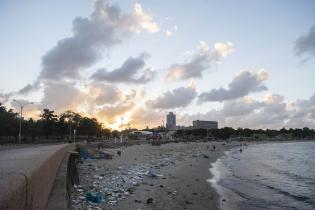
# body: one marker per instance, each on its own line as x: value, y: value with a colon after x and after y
x: 48, y: 120
x: 89, y: 126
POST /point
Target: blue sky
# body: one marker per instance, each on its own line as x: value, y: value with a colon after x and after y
x: 263, y: 34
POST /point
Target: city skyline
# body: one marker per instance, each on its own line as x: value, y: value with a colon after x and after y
x: 243, y: 64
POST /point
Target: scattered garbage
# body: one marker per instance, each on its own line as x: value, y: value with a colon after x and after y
x: 150, y: 200
x: 205, y: 156
x: 106, y: 186
x: 94, y: 197
x: 188, y: 202
x: 107, y: 189
x: 93, y: 153
x: 104, y: 155
x: 153, y: 174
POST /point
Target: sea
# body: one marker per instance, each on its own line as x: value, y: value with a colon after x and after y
x: 275, y: 176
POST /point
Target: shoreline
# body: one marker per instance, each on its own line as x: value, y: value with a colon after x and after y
x: 184, y: 185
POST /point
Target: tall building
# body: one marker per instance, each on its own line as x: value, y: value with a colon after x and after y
x: 171, y: 121
x: 205, y: 124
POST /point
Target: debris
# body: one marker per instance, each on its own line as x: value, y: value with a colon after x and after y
x: 150, y: 200
x: 138, y: 201
x: 104, y: 155
x: 153, y: 174
x: 96, y: 198
x: 156, y: 143
x: 119, y: 153
x: 205, y: 156
x: 188, y: 202
x: 161, y: 186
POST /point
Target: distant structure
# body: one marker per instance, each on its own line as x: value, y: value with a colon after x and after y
x: 171, y: 121
x: 205, y: 124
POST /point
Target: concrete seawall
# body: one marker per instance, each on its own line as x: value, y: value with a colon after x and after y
x: 27, y: 175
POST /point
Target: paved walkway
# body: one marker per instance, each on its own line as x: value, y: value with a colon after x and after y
x: 27, y: 174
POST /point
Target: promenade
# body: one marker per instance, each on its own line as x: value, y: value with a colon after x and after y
x: 27, y: 174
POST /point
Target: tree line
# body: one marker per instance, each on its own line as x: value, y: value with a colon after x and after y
x: 50, y: 125
x: 228, y: 132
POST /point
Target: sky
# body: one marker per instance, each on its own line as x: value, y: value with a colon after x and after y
x: 244, y: 63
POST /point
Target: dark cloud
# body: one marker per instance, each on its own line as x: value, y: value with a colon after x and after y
x: 243, y: 84
x: 105, y: 27
x: 306, y: 43
x: 133, y: 70
x: 180, y: 97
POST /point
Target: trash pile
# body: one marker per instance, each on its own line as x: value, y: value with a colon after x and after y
x: 110, y: 189
x: 107, y: 187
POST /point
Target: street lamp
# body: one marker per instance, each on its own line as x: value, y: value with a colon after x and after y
x: 74, y: 132
x: 21, y: 115
x: 121, y: 134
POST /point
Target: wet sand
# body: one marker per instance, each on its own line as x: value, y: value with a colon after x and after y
x: 185, y: 170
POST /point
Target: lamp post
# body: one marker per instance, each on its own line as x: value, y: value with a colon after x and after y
x: 21, y: 115
x: 121, y: 134
x: 69, y: 129
x: 74, y: 132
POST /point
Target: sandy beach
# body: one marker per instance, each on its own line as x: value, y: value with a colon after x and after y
x: 170, y: 176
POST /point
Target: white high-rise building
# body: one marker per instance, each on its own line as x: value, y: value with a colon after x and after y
x: 171, y: 121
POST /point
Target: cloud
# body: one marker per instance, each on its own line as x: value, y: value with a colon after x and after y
x: 104, y: 94
x: 180, y: 97
x: 240, y: 107
x: 302, y: 113
x: 141, y: 118
x: 145, y: 19
x: 223, y: 49
x: 306, y: 43
x: 244, y: 83
x: 168, y: 33
x: 111, y: 113
x: 105, y: 27
x: 133, y: 70
x: 199, y: 62
x: 60, y: 96
x: 271, y: 112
